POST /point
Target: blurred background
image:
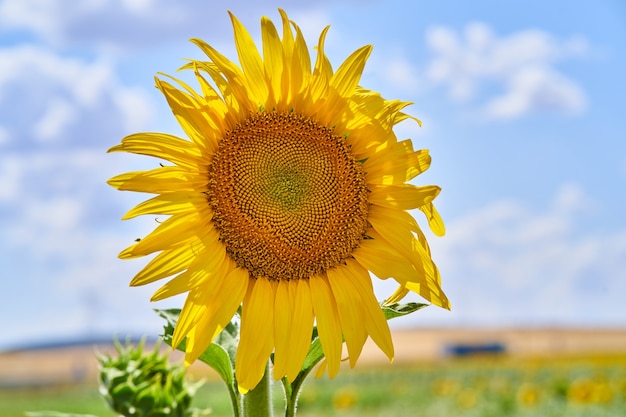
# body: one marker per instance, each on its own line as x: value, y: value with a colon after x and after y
x: 523, y: 104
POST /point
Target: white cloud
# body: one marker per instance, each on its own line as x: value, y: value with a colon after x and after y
x: 132, y: 104
x: 509, y: 264
x: 57, y: 21
x: 57, y: 116
x: 127, y: 24
x: 59, y: 237
x: 37, y: 15
x: 47, y: 94
x: 536, y: 89
x: 401, y: 74
x: 521, y: 65
x: 137, y: 6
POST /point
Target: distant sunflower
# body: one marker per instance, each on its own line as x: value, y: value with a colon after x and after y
x: 291, y: 189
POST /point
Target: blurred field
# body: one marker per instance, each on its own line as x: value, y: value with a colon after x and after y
x: 542, y: 373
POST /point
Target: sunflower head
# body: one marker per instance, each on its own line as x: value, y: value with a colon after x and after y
x: 288, y: 197
x: 289, y: 190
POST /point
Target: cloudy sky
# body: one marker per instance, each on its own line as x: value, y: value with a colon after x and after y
x: 523, y: 104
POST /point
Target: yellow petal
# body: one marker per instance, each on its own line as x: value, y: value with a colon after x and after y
x: 171, y: 148
x: 301, y: 330
x: 201, y: 300
x: 435, y: 294
x: 176, y: 231
x: 237, y: 85
x: 431, y: 292
x: 287, y: 48
x: 403, y: 196
x: 211, y: 97
x: 390, y: 114
x: 207, y: 269
x: 396, y: 166
x: 221, y: 112
x: 257, y: 335
x: 322, y: 70
x: 393, y: 226
x: 194, y: 308
x: 216, y: 112
x: 370, y: 140
x: 417, y: 269
x: 288, y: 41
x: 397, y: 296
x: 374, y: 318
x: 301, y: 69
x: 188, y: 112
x: 385, y: 262
x: 250, y: 61
x: 165, y: 179
x: 220, y: 312
x: 347, y: 77
x: 272, y: 57
x: 165, y: 264
x: 327, y: 318
x: 395, y: 230
x: 170, y: 203
x: 349, y: 307
x: 283, y: 323
x: 434, y: 219
x: 403, y: 116
x: 321, y: 368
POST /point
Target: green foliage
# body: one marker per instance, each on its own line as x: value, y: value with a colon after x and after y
x: 220, y: 355
x: 586, y: 386
x: 141, y: 384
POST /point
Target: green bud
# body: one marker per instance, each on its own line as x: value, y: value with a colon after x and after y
x: 138, y: 384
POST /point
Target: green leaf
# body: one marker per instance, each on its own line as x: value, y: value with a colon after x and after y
x: 215, y: 355
x: 217, y: 358
x: 314, y: 356
x: 171, y: 317
x: 399, y: 310
x: 229, y: 339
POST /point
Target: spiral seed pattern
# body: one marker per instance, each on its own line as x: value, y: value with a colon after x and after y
x: 289, y: 199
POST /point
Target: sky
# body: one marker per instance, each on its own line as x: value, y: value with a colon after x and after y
x: 523, y: 105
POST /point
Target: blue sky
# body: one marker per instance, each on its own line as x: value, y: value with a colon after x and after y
x: 523, y: 104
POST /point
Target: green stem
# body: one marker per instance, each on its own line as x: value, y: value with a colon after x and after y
x: 292, y: 390
x: 290, y: 399
x: 235, y: 400
x: 258, y: 402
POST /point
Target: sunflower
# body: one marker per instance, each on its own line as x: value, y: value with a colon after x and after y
x: 291, y: 188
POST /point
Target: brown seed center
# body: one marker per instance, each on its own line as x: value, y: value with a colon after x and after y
x: 289, y: 199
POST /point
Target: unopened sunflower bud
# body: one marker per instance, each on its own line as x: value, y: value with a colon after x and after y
x: 142, y: 384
